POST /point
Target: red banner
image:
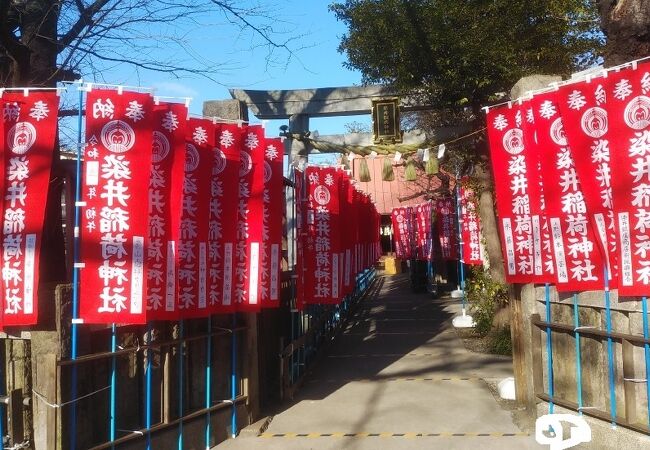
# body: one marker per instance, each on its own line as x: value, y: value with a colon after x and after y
x: 518, y: 196
x: 322, y: 276
x: 115, y: 186
x: 250, y: 220
x: 446, y: 227
x: 165, y: 200
x: 425, y: 240
x: 274, y: 206
x: 195, y: 217
x: 353, y: 198
x: 30, y: 125
x: 348, y: 236
x: 300, y: 198
x: 470, y: 223
x: 628, y: 101
x: 584, y: 116
x: 534, y: 152
x: 222, y: 243
x: 579, y: 264
x: 399, y: 218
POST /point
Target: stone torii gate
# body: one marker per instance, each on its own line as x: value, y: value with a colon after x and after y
x: 299, y: 105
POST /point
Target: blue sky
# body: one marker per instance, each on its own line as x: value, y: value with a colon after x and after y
x: 318, y: 64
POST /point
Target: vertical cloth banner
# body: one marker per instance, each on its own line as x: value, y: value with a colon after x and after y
x: 470, y: 228
x: 446, y: 227
x: 628, y: 102
x: 195, y: 217
x: 249, y: 224
x: 349, y: 235
x: 578, y: 261
x: 533, y: 152
x: 322, y: 275
x: 423, y: 218
x: 301, y: 233
x: 583, y: 108
x: 165, y: 201
x: 224, y: 181
x: 30, y: 124
x: 274, y: 204
x: 518, y: 196
x: 225, y: 195
x: 117, y: 163
x: 398, y: 217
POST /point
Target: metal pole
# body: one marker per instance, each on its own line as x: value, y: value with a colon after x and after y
x: 180, y: 383
x: 75, y: 276
x: 549, y: 352
x: 610, y: 350
x: 113, y: 385
x: 208, y: 379
x: 576, y: 326
x: 148, y: 386
x: 644, y: 303
x: 233, y: 378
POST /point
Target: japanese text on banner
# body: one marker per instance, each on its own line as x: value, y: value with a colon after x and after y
x: 30, y: 124
x: 583, y: 108
x: 578, y: 260
x: 165, y: 200
x: 628, y: 101
x: 518, y: 196
x: 115, y: 185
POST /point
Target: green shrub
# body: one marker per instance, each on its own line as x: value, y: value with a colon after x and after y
x: 501, y: 342
x: 485, y: 297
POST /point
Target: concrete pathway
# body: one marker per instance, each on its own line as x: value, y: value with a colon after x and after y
x: 397, y: 378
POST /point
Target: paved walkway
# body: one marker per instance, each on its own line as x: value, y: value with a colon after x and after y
x: 397, y: 378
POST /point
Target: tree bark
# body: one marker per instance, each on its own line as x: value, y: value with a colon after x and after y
x: 489, y: 225
x: 32, y: 62
x: 626, y: 23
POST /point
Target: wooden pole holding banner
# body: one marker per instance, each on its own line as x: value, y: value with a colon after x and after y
x: 518, y: 343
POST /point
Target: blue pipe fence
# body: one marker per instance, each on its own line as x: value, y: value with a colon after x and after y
x: 183, y: 382
x: 610, y: 376
x: 315, y: 327
x: 188, y: 384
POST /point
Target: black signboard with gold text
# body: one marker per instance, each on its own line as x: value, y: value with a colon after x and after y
x: 386, y: 120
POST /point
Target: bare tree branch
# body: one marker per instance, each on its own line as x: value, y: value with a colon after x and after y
x: 148, y: 35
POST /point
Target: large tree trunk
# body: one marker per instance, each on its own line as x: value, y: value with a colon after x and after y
x: 626, y: 23
x: 489, y: 224
x: 31, y: 61
x: 487, y: 205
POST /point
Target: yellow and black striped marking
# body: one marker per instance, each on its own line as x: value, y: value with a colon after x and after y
x: 389, y: 435
x: 374, y: 380
x: 382, y: 355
